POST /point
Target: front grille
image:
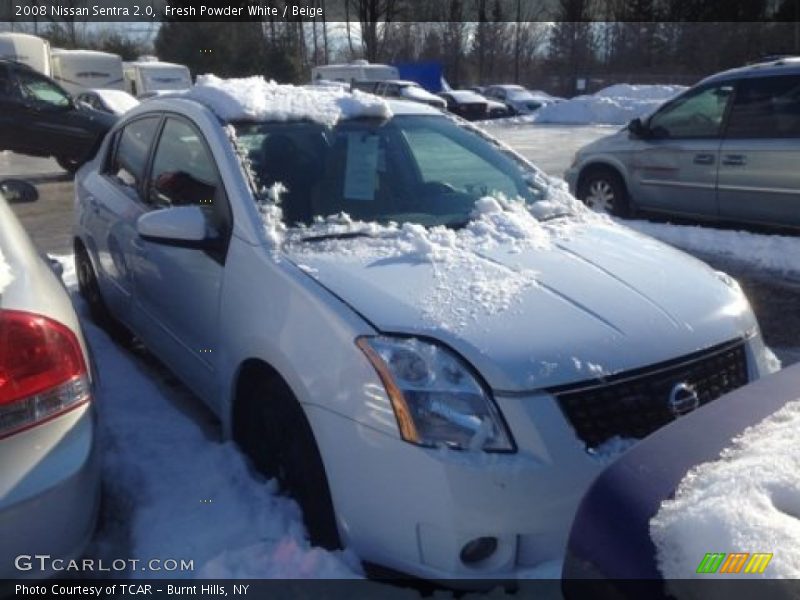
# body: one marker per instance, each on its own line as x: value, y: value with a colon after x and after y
x: 636, y: 403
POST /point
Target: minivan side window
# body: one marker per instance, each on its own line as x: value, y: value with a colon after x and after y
x: 127, y: 165
x: 766, y: 107
x: 697, y: 114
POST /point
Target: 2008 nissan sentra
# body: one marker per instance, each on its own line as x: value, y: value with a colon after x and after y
x: 429, y: 343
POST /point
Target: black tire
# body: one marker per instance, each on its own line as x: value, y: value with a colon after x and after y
x: 90, y: 291
x: 602, y: 189
x: 271, y: 428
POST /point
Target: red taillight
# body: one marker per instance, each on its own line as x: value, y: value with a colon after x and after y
x: 42, y: 371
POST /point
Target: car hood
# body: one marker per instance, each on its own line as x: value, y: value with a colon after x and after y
x: 601, y: 300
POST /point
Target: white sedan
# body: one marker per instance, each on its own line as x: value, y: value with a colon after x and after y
x: 429, y: 344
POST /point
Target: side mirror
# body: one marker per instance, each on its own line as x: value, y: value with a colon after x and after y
x: 638, y: 129
x: 177, y: 226
x: 17, y: 191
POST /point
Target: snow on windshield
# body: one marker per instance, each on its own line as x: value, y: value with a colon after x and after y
x: 255, y: 99
x: 5, y: 273
x: 746, y: 501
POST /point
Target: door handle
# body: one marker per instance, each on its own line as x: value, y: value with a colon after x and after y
x: 734, y: 160
x: 704, y: 159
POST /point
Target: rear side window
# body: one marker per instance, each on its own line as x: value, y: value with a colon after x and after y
x: 129, y: 161
x: 767, y: 107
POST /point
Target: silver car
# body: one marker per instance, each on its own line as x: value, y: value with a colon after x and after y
x: 727, y: 149
x: 49, y: 475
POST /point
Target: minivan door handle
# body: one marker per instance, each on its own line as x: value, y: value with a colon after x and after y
x: 734, y: 160
x: 704, y: 159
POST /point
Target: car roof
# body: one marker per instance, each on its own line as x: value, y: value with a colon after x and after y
x: 780, y: 66
x: 173, y: 102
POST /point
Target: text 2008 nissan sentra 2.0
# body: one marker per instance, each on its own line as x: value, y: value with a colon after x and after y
x: 428, y: 343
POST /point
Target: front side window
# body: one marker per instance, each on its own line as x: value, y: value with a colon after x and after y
x: 697, y: 114
x: 766, y: 107
x: 36, y: 88
x: 411, y: 168
x: 183, y: 172
x: 129, y: 160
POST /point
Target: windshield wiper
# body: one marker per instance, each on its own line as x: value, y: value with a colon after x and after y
x: 344, y: 235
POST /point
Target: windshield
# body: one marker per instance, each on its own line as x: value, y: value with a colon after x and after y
x: 412, y: 168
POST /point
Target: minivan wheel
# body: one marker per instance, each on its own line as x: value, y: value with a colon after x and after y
x: 271, y: 428
x: 90, y: 291
x: 603, y: 190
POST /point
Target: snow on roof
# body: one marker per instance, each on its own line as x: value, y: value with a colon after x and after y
x: 95, y: 53
x: 466, y: 96
x: 745, y: 501
x: 255, y: 99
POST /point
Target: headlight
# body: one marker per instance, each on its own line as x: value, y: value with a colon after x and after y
x: 436, y: 397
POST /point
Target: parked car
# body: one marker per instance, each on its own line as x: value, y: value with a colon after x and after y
x: 49, y: 472
x: 516, y: 98
x: 723, y: 150
x: 610, y: 552
x: 39, y: 118
x: 115, y: 102
x: 466, y: 104
x: 419, y: 420
x: 408, y: 90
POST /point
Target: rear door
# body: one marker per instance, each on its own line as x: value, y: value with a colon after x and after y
x: 178, y: 288
x: 110, y: 208
x: 759, y: 178
x: 675, y: 170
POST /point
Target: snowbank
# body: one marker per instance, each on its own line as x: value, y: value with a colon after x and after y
x: 746, y: 501
x: 256, y: 99
x: 614, y: 105
x: 5, y: 273
x: 774, y: 253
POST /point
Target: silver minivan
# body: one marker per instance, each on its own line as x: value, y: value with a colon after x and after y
x: 726, y: 149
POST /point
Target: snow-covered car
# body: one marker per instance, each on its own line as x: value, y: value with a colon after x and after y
x: 408, y: 90
x: 428, y: 342
x: 49, y: 472
x: 472, y: 106
x: 723, y: 150
x: 670, y: 508
x: 115, y: 102
x: 517, y: 98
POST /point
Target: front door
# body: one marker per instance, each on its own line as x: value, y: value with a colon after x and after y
x: 676, y: 168
x: 178, y: 288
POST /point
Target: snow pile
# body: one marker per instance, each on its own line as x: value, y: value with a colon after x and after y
x: 746, y: 501
x: 615, y: 105
x: 5, y: 273
x: 254, y: 98
x: 189, y: 495
x: 774, y: 253
x: 642, y: 92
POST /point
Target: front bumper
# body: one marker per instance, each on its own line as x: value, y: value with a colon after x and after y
x: 413, y: 509
x: 49, y: 491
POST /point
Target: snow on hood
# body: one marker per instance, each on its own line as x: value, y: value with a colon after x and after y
x: 746, y: 501
x: 530, y: 303
x: 254, y: 98
x: 5, y: 273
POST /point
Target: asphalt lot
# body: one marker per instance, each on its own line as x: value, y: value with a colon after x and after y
x: 775, y: 301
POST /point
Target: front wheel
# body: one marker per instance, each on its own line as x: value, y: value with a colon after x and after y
x: 272, y: 429
x: 603, y: 190
x: 90, y: 291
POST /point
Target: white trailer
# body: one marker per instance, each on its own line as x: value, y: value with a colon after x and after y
x: 358, y: 70
x: 81, y: 70
x: 28, y: 49
x: 145, y: 77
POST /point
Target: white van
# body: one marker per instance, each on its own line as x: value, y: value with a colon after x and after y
x: 144, y: 77
x: 358, y: 70
x: 27, y: 49
x: 81, y: 70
